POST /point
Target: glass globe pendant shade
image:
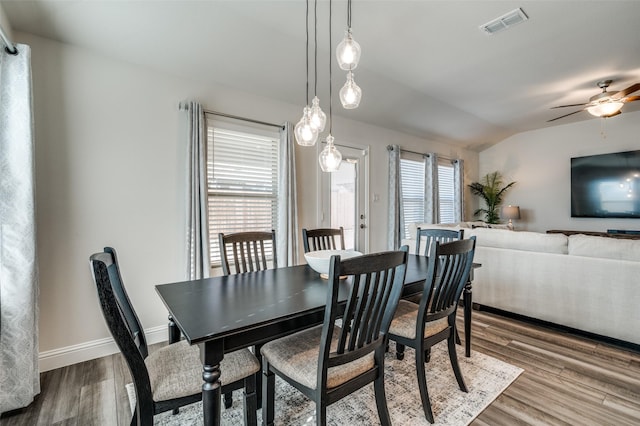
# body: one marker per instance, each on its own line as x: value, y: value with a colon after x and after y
x: 348, y: 52
x: 350, y: 94
x: 605, y: 109
x: 306, y: 134
x: 330, y: 158
x: 318, y: 117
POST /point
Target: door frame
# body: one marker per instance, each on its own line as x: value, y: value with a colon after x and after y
x: 362, y: 203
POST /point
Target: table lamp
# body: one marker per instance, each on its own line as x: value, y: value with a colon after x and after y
x: 512, y: 213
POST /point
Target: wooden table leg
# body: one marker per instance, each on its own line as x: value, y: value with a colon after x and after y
x: 211, y: 355
x: 174, y: 331
x: 467, y: 319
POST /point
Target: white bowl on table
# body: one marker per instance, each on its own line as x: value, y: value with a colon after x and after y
x: 319, y: 260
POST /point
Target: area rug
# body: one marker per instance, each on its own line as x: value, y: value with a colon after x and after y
x: 485, y: 377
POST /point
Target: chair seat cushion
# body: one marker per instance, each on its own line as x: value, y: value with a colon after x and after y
x: 404, y: 322
x: 296, y: 356
x: 176, y: 370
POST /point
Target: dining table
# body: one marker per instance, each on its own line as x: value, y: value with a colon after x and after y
x: 226, y: 313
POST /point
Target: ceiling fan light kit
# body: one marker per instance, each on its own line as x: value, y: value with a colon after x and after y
x: 604, y: 104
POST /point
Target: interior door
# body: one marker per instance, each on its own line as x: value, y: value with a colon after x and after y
x: 344, y: 197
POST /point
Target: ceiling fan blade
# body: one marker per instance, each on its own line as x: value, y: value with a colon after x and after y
x: 632, y: 98
x: 566, y: 115
x: 564, y: 106
x: 621, y: 94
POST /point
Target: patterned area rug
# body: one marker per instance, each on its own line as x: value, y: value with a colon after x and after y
x: 485, y: 377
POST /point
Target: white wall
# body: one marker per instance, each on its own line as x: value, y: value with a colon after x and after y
x: 110, y: 171
x: 540, y: 162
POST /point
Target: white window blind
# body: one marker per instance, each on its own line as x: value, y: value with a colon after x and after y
x: 242, y: 172
x: 412, y: 180
x: 446, y: 192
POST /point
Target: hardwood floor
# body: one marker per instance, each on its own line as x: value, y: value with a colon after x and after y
x: 567, y: 380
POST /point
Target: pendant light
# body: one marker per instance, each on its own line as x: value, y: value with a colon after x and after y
x: 350, y: 94
x: 348, y: 54
x: 318, y: 117
x: 348, y: 51
x: 306, y: 134
x: 330, y: 158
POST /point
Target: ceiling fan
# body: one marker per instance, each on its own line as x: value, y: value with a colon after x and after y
x: 604, y: 104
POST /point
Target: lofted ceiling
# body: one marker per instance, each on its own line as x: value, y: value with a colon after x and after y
x: 426, y: 67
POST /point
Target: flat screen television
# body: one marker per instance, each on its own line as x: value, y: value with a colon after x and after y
x: 606, y: 186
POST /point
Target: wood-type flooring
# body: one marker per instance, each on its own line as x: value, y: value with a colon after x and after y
x: 568, y: 380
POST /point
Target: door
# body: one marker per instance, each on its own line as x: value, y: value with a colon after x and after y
x: 344, y: 198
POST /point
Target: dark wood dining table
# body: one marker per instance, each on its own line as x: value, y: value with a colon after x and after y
x: 226, y: 313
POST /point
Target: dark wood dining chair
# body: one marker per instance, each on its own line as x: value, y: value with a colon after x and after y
x: 247, y: 251
x: 171, y: 376
x: 322, y: 239
x: 421, y: 326
x: 426, y: 237
x: 328, y: 362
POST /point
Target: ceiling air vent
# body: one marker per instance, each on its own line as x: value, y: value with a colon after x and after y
x: 505, y: 21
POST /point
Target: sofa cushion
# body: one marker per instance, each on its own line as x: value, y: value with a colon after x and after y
x: 519, y: 240
x: 604, y: 247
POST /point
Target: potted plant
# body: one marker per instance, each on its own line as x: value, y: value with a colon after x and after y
x: 490, y: 189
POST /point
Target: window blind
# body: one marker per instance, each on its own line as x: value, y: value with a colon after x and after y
x: 412, y: 180
x: 446, y: 193
x: 242, y: 172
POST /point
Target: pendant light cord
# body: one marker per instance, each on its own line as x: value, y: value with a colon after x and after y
x: 307, y: 50
x: 349, y: 14
x: 330, y: 73
x: 315, y: 36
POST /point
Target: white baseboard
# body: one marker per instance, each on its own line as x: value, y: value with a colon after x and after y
x: 61, y: 357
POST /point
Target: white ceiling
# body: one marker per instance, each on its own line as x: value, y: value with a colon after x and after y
x: 426, y: 68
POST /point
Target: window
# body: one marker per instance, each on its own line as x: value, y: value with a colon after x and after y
x: 412, y: 181
x: 242, y: 173
x: 446, y: 192
x: 412, y: 171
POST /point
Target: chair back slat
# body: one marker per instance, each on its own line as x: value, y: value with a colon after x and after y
x: 322, y: 239
x: 377, y: 281
x: 449, y: 266
x: 246, y: 251
x: 430, y: 236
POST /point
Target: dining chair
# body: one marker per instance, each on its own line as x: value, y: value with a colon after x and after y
x: 433, y: 320
x: 246, y: 251
x: 171, y: 376
x: 426, y: 237
x: 322, y: 239
x: 328, y: 362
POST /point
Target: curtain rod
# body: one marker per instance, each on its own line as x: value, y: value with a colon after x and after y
x: 390, y: 148
x: 182, y: 105
x: 222, y: 114
x: 10, y: 47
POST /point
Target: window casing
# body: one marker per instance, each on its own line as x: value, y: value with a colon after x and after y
x: 242, y: 178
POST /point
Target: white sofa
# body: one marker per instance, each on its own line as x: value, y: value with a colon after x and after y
x: 589, y: 283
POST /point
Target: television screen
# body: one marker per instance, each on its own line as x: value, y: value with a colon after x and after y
x: 606, y: 185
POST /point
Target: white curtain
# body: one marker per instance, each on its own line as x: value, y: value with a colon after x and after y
x: 458, y: 190
x: 19, y: 375
x: 197, y: 208
x: 287, y: 229
x: 396, y: 226
x: 431, y: 200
